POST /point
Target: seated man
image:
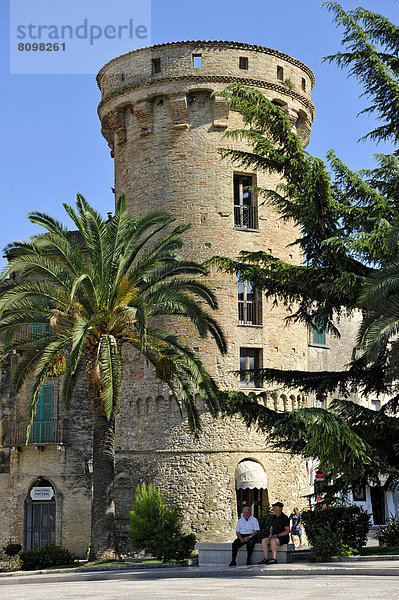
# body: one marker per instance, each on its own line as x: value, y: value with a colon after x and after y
x: 247, y: 529
x: 279, y: 534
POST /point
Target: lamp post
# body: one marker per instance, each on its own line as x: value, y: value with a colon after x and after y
x: 89, y: 470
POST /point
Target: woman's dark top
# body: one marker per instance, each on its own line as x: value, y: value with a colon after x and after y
x: 279, y: 524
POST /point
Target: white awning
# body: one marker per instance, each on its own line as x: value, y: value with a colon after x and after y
x: 250, y: 474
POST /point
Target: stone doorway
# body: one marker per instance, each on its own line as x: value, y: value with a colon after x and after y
x: 251, y: 487
x: 40, y: 513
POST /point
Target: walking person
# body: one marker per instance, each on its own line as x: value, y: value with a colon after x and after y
x: 279, y: 534
x: 247, y: 530
x: 296, y: 528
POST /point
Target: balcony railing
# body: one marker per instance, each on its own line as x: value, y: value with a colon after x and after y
x: 43, y: 432
x: 245, y: 217
x: 248, y: 312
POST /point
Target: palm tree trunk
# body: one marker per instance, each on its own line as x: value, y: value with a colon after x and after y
x: 103, y: 544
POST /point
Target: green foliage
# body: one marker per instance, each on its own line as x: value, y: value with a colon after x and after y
x: 9, y: 563
x: 327, y: 543
x: 349, y: 236
x: 12, y: 549
x: 321, y: 434
x: 372, y: 44
x: 157, y: 528
x: 100, y: 287
x: 348, y: 551
x: 389, y: 535
x: 46, y: 556
x: 265, y: 522
x: 332, y: 529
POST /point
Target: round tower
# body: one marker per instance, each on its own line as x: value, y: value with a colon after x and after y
x: 164, y: 127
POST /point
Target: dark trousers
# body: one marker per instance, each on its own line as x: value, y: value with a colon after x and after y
x: 237, y: 545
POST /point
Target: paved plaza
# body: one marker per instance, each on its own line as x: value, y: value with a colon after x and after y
x: 313, y: 583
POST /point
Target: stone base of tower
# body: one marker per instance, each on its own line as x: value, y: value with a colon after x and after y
x: 200, y: 476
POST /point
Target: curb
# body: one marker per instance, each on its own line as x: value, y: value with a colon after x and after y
x: 97, y: 573
x: 127, y: 567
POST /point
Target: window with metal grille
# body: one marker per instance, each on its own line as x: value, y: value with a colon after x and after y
x: 245, y: 209
x: 250, y: 358
x: 243, y: 63
x: 42, y: 430
x: 249, y: 304
x: 280, y: 73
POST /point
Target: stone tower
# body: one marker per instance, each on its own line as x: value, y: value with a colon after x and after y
x: 164, y: 128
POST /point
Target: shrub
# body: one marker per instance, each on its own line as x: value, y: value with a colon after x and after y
x: 332, y: 528
x: 9, y: 563
x: 12, y: 549
x: 265, y: 521
x: 46, y: 556
x: 157, y: 528
x: 389, y: 535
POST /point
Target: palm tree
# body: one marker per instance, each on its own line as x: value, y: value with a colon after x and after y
x: 94, y: 291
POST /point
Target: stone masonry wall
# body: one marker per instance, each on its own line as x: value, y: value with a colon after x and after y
x: 164, y: 131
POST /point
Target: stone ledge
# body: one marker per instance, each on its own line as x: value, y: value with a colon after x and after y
x: 214, y: 553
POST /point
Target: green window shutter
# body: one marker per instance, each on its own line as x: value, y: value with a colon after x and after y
x: 319, y: 334
x: 42, y: 425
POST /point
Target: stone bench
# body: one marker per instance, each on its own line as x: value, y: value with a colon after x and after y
x: 219, y: 553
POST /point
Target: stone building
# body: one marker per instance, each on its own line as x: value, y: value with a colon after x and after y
x: 164, y: 126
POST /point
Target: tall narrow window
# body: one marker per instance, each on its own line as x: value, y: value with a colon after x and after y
x: 318, y: 334
x: 243, y: 62
x: 245, y: 210
x: 155, y: 66
x: 42, y: 424
x: 249, y: 304
x: 197, y: 61
x: 280, y: 73
x: 250, y: 358
x: 304, y: 84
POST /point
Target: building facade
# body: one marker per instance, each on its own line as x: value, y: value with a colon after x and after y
x: 164, y: 124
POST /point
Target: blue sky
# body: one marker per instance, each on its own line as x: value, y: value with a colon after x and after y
x: 51, y: 143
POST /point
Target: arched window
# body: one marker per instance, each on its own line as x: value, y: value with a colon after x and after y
x: 251, y: 487
x: 40, y: 512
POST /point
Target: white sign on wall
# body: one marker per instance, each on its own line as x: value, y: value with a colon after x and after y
x: 41, y: 493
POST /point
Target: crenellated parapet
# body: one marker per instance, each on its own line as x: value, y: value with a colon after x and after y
x: 175, y: 73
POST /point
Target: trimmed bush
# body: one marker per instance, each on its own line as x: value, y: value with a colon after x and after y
x: 12, y: 549
x: 157, y: 528
x: 9, y: 563
x: 389, y: 535
x: 46, y: 556
x: 333, y: 528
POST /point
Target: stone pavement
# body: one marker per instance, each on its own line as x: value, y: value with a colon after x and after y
x: 124, y: 586
x: 382, y: 567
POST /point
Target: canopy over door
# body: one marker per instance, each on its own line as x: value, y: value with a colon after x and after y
x: 250, y: 474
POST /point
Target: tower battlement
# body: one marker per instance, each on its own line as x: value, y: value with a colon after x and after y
x: 172, y: 75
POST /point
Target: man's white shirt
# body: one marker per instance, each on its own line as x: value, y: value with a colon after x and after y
x: 247, y: 527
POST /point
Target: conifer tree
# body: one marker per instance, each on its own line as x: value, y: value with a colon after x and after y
x: 348, y: 221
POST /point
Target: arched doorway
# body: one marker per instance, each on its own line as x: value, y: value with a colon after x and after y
x: 251, y: 487
x: 40, y: 511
